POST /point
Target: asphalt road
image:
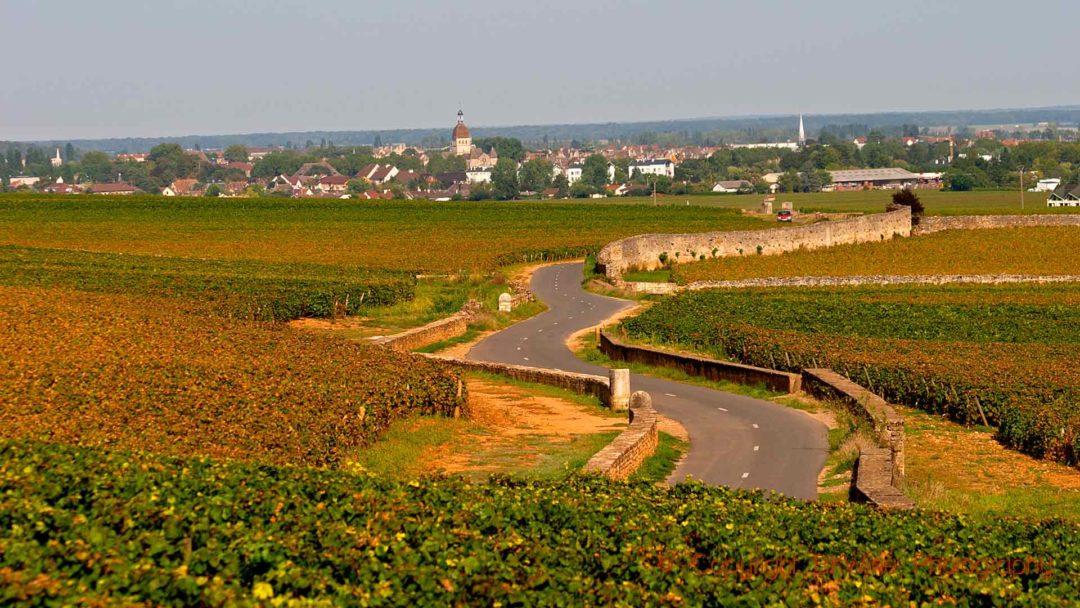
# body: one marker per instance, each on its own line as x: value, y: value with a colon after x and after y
x: 735, y: 441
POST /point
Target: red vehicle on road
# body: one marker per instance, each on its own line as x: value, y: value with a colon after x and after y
x: 783, y: 216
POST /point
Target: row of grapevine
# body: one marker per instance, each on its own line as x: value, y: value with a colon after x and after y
x: 1012, y: 366
x: 82, y: 526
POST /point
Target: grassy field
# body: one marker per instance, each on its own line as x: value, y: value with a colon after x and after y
x: 998, y: 355
x: 411, y: 236
x: 1036, y: 251
x: 867, y: 201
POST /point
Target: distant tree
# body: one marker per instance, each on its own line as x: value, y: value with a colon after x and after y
x: 562, y: 185
x: 581, y: 190
x: 278, y: 163
x: 481, y: 192
x: 69, y: 153
x: 358, y: 186
x: 506, y: 147
x: 536, y: 175
x: 168, y: 162
x: 97, y: 167
x: 213, y: 190
x: 594, y: 172
x: 378, y: 141
x: 236, y: 153
x: 504, y: 179
x: 437, y: 163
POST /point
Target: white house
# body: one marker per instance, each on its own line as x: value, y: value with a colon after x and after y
x: 661, y: 166
x: 479, y: 176
x: 573, y: 174
x: 23, y: 180
x: 1047, y: 185
x: 733, y: 187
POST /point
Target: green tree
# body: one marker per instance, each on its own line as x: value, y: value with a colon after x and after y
x: 505, y: 147
x: 278, y: 163
x: 69, y: 153
x: 213, y: 190
x: 236, y: 153
x: 504, y: 179
x: 97, y: 167
x: 594, y: 172
x: 562, y: 185
x: 168, y: 162
x: 536, y: 175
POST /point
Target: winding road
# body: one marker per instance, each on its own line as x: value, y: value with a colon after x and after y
x: 735, y: 441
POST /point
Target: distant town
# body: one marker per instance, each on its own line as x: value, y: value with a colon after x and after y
x: 1042, y: 157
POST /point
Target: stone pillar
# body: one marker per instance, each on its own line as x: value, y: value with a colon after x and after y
x: 620, y: 388
x: 505, y: 302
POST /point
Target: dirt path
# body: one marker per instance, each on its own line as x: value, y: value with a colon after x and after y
x: 517, y: 429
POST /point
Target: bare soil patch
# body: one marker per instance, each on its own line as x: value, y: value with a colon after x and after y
x: 514, y: 429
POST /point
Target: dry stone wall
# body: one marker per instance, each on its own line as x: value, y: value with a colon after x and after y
x: 929, y: 279
x: 582, y: 384
x: 879, y: 474
x: 644, y: 251
x: 712, y: 369
x: 451, y: 327
x: 937, y: 223
x: 625, y: 454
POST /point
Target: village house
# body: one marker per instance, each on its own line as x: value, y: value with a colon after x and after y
x: 59, y: 187
x: 733, y: 186
x: 662, y: 166
x: 1066, y: 195
x: 117, y: 189
x: 333, y: 183
x: 378, y: 174
x: 182, y: 187
x: 19, y: 181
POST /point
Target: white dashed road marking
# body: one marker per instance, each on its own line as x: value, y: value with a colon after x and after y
x: 756, y: 426
x: 525, y: 358
x: 757, y: 447
x: 670, y: 394
x: 745, y: 475
x: 722, y: 409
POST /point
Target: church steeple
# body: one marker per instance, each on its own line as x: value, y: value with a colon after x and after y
x: 802, y: 132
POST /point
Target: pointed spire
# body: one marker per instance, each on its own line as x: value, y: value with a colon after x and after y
x: 802, y: 132
x: 460, y: 117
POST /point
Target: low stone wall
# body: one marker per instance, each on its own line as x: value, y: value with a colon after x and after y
x: 700, y: 366
x: 624, y: 455
x: 444, y: 329
x: 583, y: 384
x: 937, y: 223
x: 644, y: 251
x: 928, y: 279
x: 656, y: 289
x: 880, y: 472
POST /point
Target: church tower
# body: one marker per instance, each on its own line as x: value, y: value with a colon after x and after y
x: 461, y: 139
x: 802, y: 132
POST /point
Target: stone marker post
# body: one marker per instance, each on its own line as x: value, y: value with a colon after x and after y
x: 620, y: 388
x: 505, y: 302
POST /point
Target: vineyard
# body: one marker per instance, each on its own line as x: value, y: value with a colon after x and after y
x: 1035, y: 251
x: 405, y: 235
x: 92, y: 527
x: 998, y: 355
x: 238, y: 289
x: 143, y: 373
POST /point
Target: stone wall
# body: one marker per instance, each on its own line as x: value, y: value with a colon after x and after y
x: 937, y: 223
x: 928, y: 279
x: 700, y: 366
x: 643, y: 251
x: 625, y: 454
x: 879, y: 474
x: 444, y: 329
x: 583, y: 384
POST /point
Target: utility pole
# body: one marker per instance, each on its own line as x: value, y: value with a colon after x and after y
x: 1021, y: 188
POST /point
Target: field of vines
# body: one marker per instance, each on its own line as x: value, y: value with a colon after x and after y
x: 97, y: 527
x: 1036, y: 251
x: 237, y: 289
x: 1002, y: 355
x: 143, y: 373
x: 405, y: 235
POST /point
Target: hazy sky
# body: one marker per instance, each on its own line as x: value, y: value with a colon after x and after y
x: 105, y: 68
